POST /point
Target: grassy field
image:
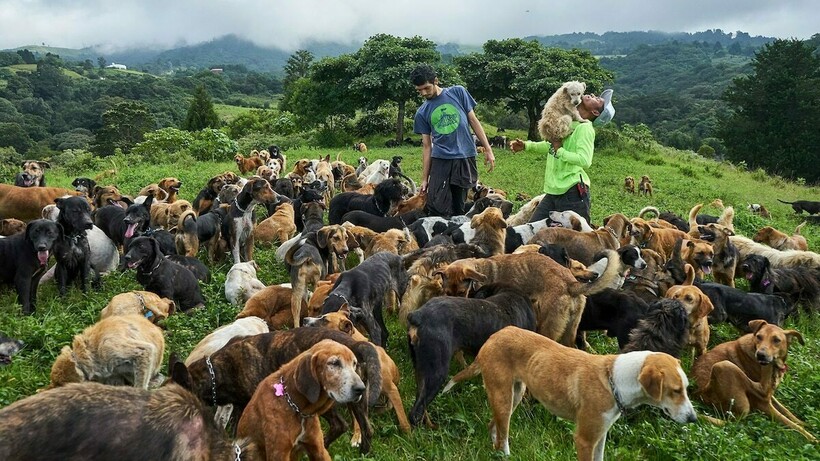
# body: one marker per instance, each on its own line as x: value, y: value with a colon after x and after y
x: 680, y: 180
x: 33, y: 67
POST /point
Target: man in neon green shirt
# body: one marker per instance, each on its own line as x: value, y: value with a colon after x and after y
x: 566, y: 184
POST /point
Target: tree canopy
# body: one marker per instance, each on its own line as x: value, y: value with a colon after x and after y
x: 201, y: 113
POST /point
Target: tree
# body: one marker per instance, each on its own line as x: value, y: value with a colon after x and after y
x: 773, y: 118
x: 298, y: 66
x: 524, y: 74
x: 13, y: 135
x: 101, y: 62
x: 28, y: 56
x: 323, y: 98
x: 49, y: 81
x: 201, y: 113
x: 124, y: 126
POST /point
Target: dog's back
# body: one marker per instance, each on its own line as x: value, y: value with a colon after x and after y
x: 664, y: 329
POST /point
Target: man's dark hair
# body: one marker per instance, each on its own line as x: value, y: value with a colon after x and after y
x: 423, y: 73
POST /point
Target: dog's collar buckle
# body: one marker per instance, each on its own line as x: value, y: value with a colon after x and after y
x: 621, y: 407
x: 281, y: 389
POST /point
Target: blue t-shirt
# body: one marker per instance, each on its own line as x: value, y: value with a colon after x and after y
x: 445, y: 119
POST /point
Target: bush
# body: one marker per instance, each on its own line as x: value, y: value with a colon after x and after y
x: 10, y: 162
x: 607, y: 137
x: 706, y: 151
x: 327, y: 137
x: 77, y: 161
x: 380, y: 122
x: 211, y: 144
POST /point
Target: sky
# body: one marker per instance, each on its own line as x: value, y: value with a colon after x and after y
x: 288, y: 24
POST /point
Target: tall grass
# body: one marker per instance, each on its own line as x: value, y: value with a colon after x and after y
x: 680, y: 180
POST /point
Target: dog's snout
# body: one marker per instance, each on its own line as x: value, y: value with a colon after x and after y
x: 358, y: 390
x: 692, y: 417
x: 763, y: 357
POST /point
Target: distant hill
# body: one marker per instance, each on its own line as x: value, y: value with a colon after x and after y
x: 232, y: 49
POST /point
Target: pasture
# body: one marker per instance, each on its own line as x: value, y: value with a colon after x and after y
x: 680, y: 180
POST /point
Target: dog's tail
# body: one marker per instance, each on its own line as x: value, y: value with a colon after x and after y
x: 468, y: 373
x: 369, y: 358
x: 283, y: 249
x: 609, y: 279
x: 649, y: 209
x: 727, y: 218
x: 693, y: 216
x: 783, y: 201
x: 187, y: 221
x: 339, y: 156
x: 799, y: 226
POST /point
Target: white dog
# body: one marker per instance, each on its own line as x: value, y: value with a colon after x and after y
x: 560, y: 110
x: 376, y: 169
x: 247, y: 326
x: 241, y: 283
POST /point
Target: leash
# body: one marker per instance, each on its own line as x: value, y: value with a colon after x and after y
x: 616, y: 395
x: 237, y: 451
x: 213, y: 378
x: 281, y: 390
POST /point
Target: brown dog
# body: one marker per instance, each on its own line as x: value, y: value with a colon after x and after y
x: 340, y: 321
x: 742, y: 375
x: 301, y: 168
x: 629, y: 184
x: 11, y: 226
x: 273, y: 305
x: 726, y: 254
x: 247, y: 164
x: 698, y: 306
x: 171, y: 186
x: 282, y: 417
x: 415, y: 202
x: 661, y: 240
x: 582, y: 246
x: 107, y: 195
x: 33, y: 174
x: 645, y: 186
x: 780, y: 240
x: 490, y: 231
x: 322, y: 291
x: 557, y: 297
x: 278, y: 227
x: 700, y: 254
x: 186, y: 237
x: 325, y: 173
x: 144, y: 303
x: 26, y: 203
x: 420, y: 289
x: 591, y: 390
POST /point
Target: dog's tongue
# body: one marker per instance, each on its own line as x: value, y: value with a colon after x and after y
x: 43, y: 257
x: 129, y: 232
x: 707, y: 269
x: 749, y: 276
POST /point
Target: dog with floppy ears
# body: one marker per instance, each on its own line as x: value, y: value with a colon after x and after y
x: 591, y: 390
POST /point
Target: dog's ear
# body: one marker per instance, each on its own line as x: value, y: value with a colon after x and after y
x: 345, y: 309
x: 127, y: 200
x: 44, y: 165
x: 172, y: 306
x: 651, y: 380
x: 321, y: 236
x: 346, y: 326
x: 756, y: 325
x: 307, y: 382
x: 157, y: 250
x: 705, y: 306
x: 472, y: 274
x: 60, y: 202
x: 179, y: 372
x: 791, y: 335
x: 351, y: 239
x: 149, y: 201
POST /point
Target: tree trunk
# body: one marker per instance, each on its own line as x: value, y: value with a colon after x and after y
x: 400, y: 121
x: 533, y: 114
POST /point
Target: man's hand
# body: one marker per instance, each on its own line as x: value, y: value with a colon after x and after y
x: 423, y: 187
x: 517, y: 145
x: 489, y: 159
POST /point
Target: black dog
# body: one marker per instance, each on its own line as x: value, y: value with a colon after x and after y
x: 799, y: 284
x: 197, y: 267
x: 363, y: 289
x: 209, y: 225
x: 664, y: 329
x: 803, y: 205
x: 23, y: 259
x: 8, y: 347
x: 84, y: 185
x: 387, y: 194
x: 383, y: 223
x: 72, y: 250
x: 738, y: 307
x: 447, y: 324
x: 161, y: 276
x: 306, y: 196
x: 284, y: 186
x: 615, y: 311
x: 121, y: 225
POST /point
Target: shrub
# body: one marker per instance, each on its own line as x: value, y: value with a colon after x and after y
x: 211, y: 144
x: 327, y: 137
x: 655, y: 160
x: 760, y: 175
x: 375, y: 123
x: 706, y: 151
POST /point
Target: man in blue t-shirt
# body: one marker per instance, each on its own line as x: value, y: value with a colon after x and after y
x: 448, y: 150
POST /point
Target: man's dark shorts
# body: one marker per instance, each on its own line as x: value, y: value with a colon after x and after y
x: 445, y: 174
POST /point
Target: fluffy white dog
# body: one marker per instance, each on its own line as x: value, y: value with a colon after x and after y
x: 560, y: 110
x: 241, y: 283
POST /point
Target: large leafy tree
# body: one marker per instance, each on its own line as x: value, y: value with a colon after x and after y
x: 524, y: 74
x: 298, y: 66
x: 323, y: 98
x: 774, y: 114
x: 201, y: 113
x: 124, y: 126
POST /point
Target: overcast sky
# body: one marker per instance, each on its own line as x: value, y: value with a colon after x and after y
x: 287, y: 24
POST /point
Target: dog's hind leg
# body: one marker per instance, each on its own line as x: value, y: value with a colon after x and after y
x: 431, y: 367
x: 360, y: 412
x: 336, y: 426
x: 771, y: 410
x: 144, y: 365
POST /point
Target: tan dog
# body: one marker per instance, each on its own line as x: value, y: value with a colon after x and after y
x: 742, y: 375
x: 278, y: 227
x: 698, y: 306
x: 107, y: 195
x: 282, y: 417
x: 325, y: 173
x: 415, y: 202
x: 420, y: 289
x: 395, y: 241
x: 726, y: 255
x: 186, y: 237
x: 121, y: 349
x: 33, y: 174
x: 175, y: 211
x: 621, y: 227
x: 247, y: 326
x: 629, y: 184
x: 273, y: 305
x: 781, y: 241
x: 302, y: 167
x: 591, y: 390
x: 144, y: 303
x: 579, y: 271
x: 557, y: 297
x: 26, y: 203
x: 340, y: 321
x: 645, y: 186
x: 247, y: 164
x: 11, y: 226
x: 338, y: 241
x: 490, y: 231
x: 322, y: 291
x: 579, y: 245
x: 171, y: 186
x: 789, y: 258
x: 660, y: 240
x: 63, y: 371
x: 700, y: 254
x: 160, y: 196
x: 525, y: 212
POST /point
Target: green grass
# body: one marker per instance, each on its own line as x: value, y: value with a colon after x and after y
x: 33, y: 68
x: 680, y: 180
x: 227, y: 112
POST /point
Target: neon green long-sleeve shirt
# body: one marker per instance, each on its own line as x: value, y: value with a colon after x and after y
x: 568, y: 164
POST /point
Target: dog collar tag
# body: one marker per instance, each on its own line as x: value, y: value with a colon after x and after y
x: 149, y: 314
x: 766, y: 282
x: 279, y: 389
